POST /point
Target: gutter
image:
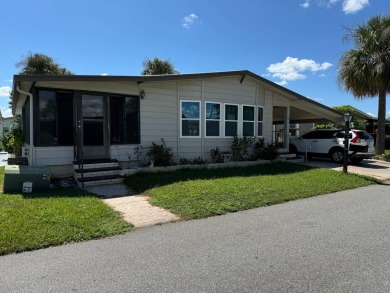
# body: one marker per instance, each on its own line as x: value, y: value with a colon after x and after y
x: 30, y: 151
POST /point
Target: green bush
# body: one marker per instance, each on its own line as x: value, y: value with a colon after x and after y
x: 387, y: 142
x: 160, y: 154
x: 240, y: 147
x: 265, y: 151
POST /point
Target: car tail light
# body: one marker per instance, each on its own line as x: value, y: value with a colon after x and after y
x: 356, y: 139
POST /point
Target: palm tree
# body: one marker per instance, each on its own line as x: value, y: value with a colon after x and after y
x: 365, y: 70
x: 158, y: 66
x: 37, y: 63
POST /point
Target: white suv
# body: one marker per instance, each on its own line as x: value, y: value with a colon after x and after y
x: 330, y: 143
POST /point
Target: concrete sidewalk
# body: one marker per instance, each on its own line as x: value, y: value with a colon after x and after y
x: 133, y: 207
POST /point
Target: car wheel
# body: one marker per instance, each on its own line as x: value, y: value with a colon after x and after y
x: 356, y: 160
x: 337, y: 155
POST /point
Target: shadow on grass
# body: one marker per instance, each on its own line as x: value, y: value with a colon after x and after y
x: 57, y: 193
x: 144, y: 181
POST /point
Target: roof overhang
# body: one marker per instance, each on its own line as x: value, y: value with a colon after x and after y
x: 302, y: 109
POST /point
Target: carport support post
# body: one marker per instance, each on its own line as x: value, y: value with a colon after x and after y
x: 347, y: 119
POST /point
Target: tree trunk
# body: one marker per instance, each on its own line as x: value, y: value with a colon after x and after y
x: 380, y: 138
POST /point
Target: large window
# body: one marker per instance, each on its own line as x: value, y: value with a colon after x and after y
x: 213, y: 117
x: 124, y: 120
x: 190, y: 118
x: 55, y: 118
x: 248, y: 120
x: 260, y: 121
x: 231, y: 120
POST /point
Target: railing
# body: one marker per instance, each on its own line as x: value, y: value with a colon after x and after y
x: 306, y: 145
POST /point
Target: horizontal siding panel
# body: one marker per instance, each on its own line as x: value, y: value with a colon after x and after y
x: 164, y: 108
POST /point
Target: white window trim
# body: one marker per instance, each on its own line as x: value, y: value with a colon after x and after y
x: 262, y: 122
x: 253, y: 121
x: 225, y: 120
x: 219, y: 120
x: 193, y: 119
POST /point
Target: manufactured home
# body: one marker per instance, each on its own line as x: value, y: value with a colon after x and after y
x: 66, y: 118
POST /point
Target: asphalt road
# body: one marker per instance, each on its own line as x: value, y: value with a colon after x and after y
x: 332, y: 243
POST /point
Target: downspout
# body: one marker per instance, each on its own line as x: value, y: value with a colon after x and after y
x: 30, y: 151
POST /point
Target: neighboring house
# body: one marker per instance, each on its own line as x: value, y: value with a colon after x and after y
x: 5, y: 124
x: 110, y: 116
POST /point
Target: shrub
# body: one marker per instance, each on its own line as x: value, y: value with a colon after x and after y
x: 13, y: 140
x: 240, y: 147
x: 160, y: 154
x: 216, y: 155
x: 184, y: 161
x: 198, y: 161
x: 265, y: 151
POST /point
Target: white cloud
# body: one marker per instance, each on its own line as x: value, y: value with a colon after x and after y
x: 348, y: 6
x: 353, y: 6
x: 104, y: 74
x: 306, y: 4
x: 189, y: 20
x: 293, y: 68
x: 4, y: 91
x: 6, y: 112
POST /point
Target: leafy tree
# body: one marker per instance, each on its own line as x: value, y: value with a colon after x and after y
x: 357, y: 124
x: 158, y: 66
x: 365, y: 70
x: 12, y: 141
x: 37, y: 63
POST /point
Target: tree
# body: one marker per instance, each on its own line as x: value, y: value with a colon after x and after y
x: 37, y: 63
x: 158, y: 66
x: 365, y: 70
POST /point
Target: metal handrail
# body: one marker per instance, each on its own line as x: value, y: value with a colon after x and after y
x: 306, y: 145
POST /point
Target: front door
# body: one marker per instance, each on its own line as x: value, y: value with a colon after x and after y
x: 92, y: 126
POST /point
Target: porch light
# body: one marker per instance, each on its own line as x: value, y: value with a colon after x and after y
x: 142, y: 94
x: 347, y: 120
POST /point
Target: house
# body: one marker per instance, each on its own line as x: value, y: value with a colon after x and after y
x: 94, y: 117
x: 5, y: 124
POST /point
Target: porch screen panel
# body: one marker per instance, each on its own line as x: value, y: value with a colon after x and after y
x: 47, y: 118
x: 248, y: 123
x: 65, y: 118
x: 231, y: 120
x: 132, y: 120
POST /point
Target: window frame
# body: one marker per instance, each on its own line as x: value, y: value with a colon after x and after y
x: 190, y: 119
x: 228, y: 120
x: 210, y: 119
x: 251, y: 121
x: 260, y: 122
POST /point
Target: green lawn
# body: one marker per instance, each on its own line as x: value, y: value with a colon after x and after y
x: 40, y: 220
x: 203, y: 193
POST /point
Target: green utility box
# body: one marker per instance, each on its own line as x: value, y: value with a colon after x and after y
x: 16, y: 175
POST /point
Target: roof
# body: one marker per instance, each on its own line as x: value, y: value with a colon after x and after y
x: 31, y: 79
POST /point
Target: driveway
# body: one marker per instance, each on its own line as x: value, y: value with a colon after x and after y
x: 374, y: 168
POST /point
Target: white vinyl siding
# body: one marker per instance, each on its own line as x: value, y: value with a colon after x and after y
x: 213, y: 119
x: 190, y: 112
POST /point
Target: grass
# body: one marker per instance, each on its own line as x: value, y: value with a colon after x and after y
x: 204, y: 193
x: 385, y: 156
x: 45, y: 219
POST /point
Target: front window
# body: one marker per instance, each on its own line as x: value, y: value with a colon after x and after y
x: 190, y: 118
x: 231, y: 120
x: 248, y: 120
x: 213, y: 117
x: 260, y: 121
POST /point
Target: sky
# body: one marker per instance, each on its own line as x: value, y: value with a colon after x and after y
x: 295, y: 43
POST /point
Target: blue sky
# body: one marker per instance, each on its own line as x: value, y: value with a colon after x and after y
x: 295, y: 43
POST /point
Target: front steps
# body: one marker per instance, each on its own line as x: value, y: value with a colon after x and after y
x: 97, y: 172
